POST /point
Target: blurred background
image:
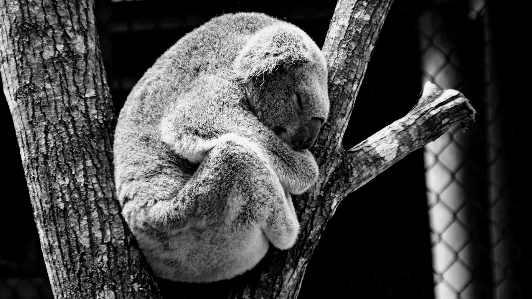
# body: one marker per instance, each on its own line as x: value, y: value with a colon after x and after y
x: 450, y: 221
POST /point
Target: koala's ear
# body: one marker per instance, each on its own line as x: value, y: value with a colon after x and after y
x: 270, y: 49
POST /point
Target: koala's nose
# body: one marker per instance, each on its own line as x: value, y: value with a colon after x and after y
x: 312, y: 129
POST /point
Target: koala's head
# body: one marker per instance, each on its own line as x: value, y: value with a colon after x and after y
x: 284, y: 74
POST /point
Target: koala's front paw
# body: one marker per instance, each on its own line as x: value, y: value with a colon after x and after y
x: 242, y: 141
x: 299, y: 175
x: 199, y: 148
x: 228, y: 137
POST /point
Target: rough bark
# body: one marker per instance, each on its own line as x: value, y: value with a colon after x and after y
x: 56, y: 89
x: 55, y: 86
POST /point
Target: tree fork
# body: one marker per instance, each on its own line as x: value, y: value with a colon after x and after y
x: 55, y: 86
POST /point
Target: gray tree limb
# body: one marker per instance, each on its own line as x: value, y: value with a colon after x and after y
x: 435, y: 113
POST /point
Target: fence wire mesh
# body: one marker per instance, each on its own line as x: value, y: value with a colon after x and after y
x: 474, y: 209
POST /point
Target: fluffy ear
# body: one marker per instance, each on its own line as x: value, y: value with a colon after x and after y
x: 270, y: 49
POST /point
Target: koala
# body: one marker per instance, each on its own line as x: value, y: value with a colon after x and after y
x: 213, y: 141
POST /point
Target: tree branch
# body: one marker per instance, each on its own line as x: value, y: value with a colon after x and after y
x: 351, y: 38
x: 435, y: 113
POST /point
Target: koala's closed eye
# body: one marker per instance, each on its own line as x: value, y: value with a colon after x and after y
x: 298, y: 101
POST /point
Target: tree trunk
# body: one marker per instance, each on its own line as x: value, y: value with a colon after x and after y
x: 56, y: 90
x: 55, y: 86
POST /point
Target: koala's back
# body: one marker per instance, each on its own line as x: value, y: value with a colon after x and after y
x: 209, y: 49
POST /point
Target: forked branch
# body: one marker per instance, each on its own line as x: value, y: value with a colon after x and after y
x: 436, y: 112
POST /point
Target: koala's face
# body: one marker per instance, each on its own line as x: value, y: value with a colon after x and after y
x: 293, y: 102
x: 287, y: 77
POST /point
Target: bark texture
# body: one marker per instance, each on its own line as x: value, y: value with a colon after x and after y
x: 55, y: 86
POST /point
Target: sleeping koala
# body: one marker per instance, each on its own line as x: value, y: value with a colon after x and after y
x: 212, y: 142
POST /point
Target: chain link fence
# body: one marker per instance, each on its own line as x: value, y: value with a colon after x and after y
x: 477, y: 215
x: 471, y: 236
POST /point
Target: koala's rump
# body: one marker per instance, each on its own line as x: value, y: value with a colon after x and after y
x: 204, y: 253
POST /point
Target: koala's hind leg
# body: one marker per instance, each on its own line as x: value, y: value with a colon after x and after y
x: 233, y: 186
x: 220, y: 221
x: 260, y: 197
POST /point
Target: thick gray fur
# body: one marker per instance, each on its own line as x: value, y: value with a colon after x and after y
x: 203, y: 180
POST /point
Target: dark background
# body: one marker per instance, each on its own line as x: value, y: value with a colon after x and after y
x: 379, y: 243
